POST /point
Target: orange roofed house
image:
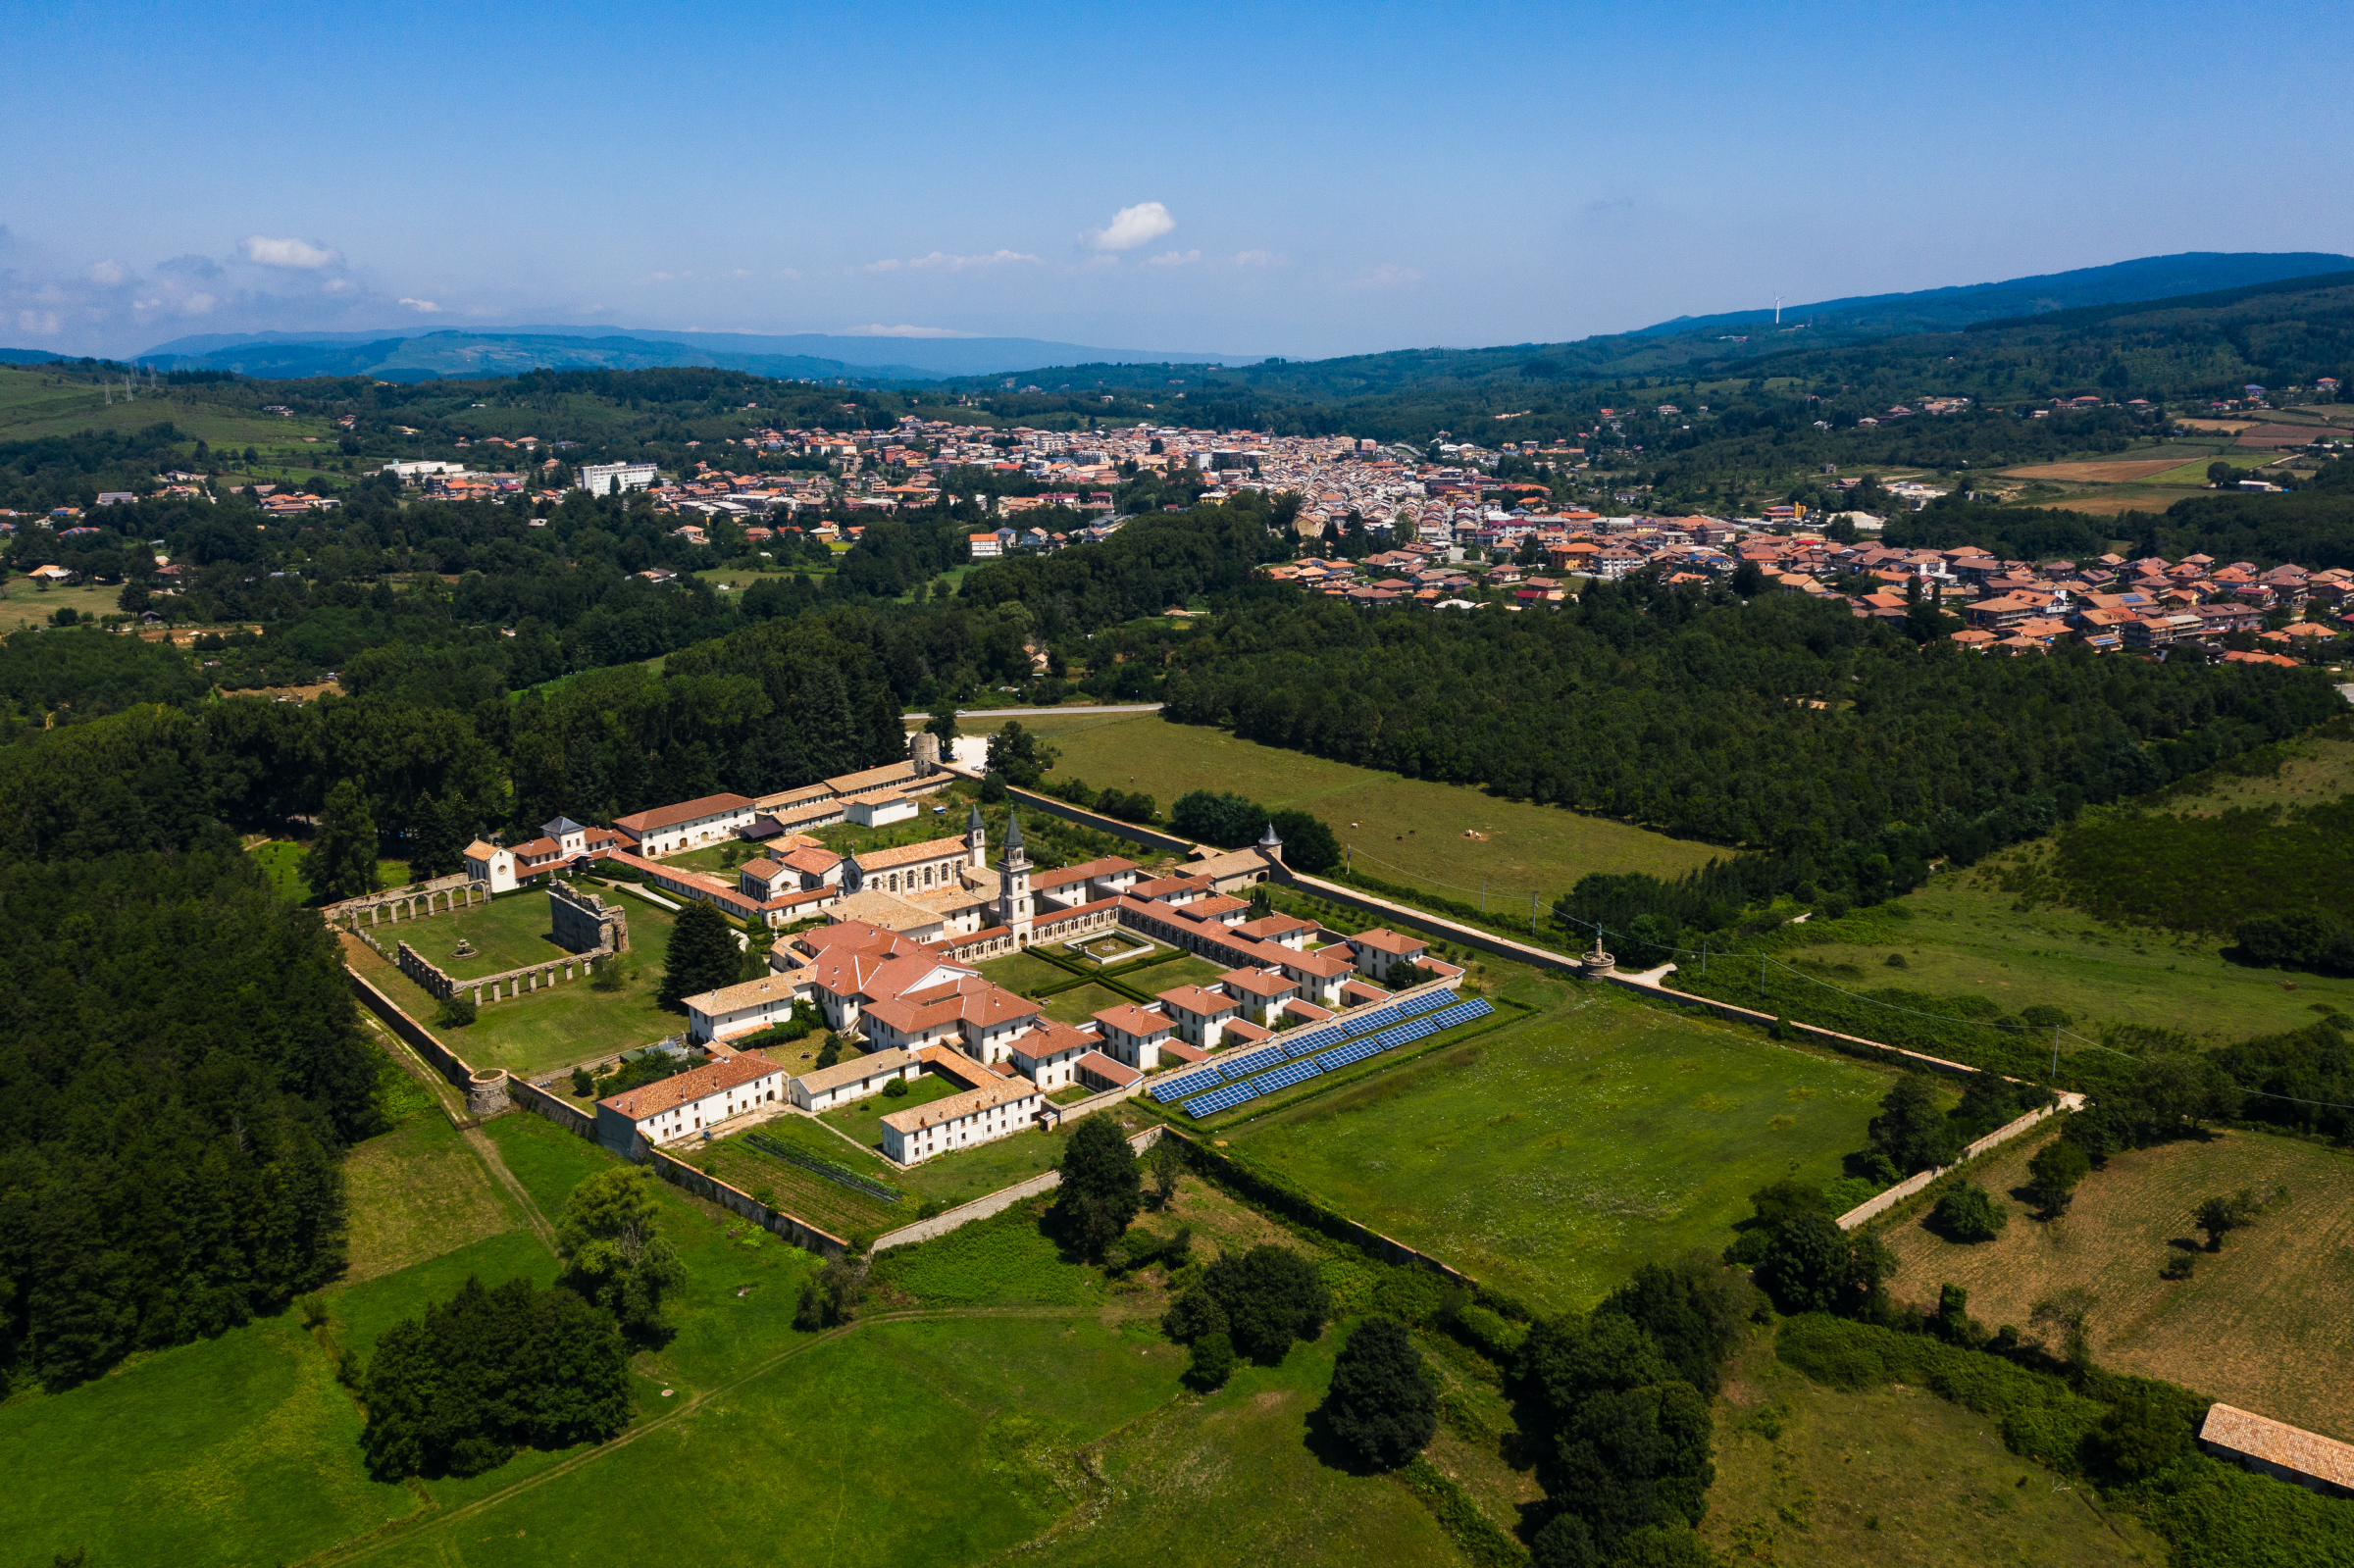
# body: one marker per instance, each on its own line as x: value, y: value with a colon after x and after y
x: 688, y: 825
x: 684, y: 1105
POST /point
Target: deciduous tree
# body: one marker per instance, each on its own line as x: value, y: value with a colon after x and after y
x: 613, y: 1250
x: 1381, y: 1406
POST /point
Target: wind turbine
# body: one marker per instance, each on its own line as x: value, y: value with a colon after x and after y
x: 1777, y: 310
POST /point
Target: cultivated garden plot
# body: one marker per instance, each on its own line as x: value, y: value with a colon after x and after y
x: 2263, y: 1324
x: 1552, y: 1157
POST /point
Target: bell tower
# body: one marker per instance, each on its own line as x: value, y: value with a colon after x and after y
x: 1014, y: 883
x: 976, y: 839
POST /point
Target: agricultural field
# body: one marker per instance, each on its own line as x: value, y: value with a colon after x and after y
x: 1414, y: 829
x: 1550, y: 1158
x: 2117, y: 470
x: 2260, y: 1325
x: 832, y: 1206
x: 1835, y: 1479
x: 573, y: 1022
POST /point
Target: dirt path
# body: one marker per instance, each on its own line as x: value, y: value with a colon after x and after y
x: 488, y: 1151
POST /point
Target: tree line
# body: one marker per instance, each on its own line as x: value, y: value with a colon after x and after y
x: 184, y: 1070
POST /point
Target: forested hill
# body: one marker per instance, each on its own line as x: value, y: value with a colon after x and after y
x: 2199, y: 346
x: 2147, y: 278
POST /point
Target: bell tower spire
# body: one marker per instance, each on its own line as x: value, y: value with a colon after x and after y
x: 1014, y: 911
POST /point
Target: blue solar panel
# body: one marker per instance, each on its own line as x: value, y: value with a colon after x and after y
x: 1294, y: 1059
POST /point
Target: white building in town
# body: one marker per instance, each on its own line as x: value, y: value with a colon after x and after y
x: 613, y: 478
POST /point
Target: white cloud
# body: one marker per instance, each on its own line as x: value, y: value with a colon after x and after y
x: 789, y: 274
x: 109, y: 272
x: 1389, y: 275
x: 1261, y: 258
x: 1174, y: 258
x: 422, y: 307
x: 942, y: 261
x: 264, y: 251
x: 39, y: 323
x: 740, y: 273
x: 905, y: 332
x: 1132, y: 226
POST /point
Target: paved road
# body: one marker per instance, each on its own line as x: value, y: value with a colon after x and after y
x: 1028, y: 713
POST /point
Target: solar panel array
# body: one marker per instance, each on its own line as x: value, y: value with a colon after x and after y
x: 1242, y: 1065
x: 1244, y: 1080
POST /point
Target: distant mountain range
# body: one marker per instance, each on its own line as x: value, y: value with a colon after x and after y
x: 1930, y: 310
x: 405, y: 355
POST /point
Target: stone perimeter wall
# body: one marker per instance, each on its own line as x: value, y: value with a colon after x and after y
x: 591, y: 927
x: 444, y: 895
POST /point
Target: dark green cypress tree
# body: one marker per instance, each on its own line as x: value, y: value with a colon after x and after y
x: 701, y: 955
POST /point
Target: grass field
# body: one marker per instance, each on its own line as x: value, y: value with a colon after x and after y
x: 505, y: 933
x: 904, y: 1443
x: 1204, y: 1482
x: 2262, y: 1325
x: 1082, y: 1003
x: 862, y: 1119
x: 26, y: 603
x: 1966, y: 934
x: 29, y: 411
x: 2194, y: 472
x: 1023, y: 973
x: 1833, y: 1478
x: 1552, y: 1157
x: 416, y: 1192
x: 550, y: 1028
x: 1413, y: 826
x: 232, y: 1451
x: 2313, y: 768
x: 2147, y: 499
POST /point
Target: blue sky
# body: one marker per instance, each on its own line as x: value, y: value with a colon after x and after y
x: 1300, y: 179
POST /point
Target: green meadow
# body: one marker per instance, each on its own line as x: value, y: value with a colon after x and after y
x: 1408, y: 830
x: 1551, y: 1157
